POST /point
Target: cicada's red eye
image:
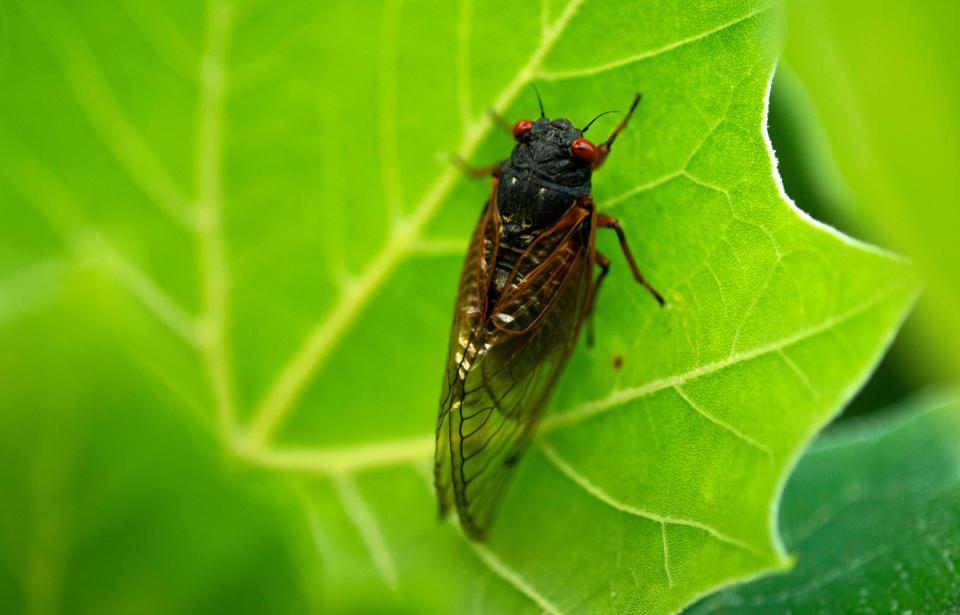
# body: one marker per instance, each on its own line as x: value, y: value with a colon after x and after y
x: 584, y: 149
x: 521, y: 127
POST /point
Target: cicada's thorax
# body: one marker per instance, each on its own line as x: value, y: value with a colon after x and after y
x: 538, y: 184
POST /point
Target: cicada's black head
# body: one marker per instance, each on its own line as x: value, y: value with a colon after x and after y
x: 549, y: 169
x: 545, y: 148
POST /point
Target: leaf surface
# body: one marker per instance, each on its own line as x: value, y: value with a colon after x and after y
x: 265, y: 193
x: 871, y: 513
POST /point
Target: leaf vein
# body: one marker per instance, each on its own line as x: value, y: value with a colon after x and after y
x: 366, y: 524
x: 464, y: 90
x: 722, y: 424
x: 623, y: 396
x: 801, y: 375
x: 85, y: 242
x: 343, y: 460
x: 666, y: 553
x: 358, y: 458
x: 314, y: 349
x: 646, y: 55
x: 389, y: 144
x: 99, y: 103
x: 509, y: 575
x: 208, y: 157
x: 581, y: 481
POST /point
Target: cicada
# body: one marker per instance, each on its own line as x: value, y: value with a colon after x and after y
x: 527, y: 286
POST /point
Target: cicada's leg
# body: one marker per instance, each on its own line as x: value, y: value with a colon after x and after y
x: 604, y: 150
x: 605, y: 221
x: 604, y: 263
x: 492, y: 170
x: 500, y: 122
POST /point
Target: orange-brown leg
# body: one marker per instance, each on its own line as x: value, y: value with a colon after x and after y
x: 605, y: 221
x: 604, y: 150
x: 492, y: 170
x: 500, y: 122
x: 604, y: 263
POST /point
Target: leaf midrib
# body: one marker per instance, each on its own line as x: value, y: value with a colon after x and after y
x: 351, y: 459
x: 296, y: 374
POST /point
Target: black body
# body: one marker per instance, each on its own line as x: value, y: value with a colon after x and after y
x: 540, y: 181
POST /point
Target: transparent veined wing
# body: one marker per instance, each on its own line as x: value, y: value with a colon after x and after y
x: 505, y: 360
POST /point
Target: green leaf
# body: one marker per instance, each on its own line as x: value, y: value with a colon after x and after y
x: 873, y: 513
x: 866, y: 68
x: 113, y: 500
x: 265, y: 195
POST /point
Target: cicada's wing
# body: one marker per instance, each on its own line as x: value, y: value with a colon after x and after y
x: 511, y: 364
x: 464, y: 334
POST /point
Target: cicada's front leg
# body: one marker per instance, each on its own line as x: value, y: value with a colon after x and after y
x: 604, y: 263
x: 605, y: 221
x: 492, y: 170
x: 604, y: 149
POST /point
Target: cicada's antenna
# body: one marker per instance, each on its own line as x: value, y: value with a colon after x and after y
x: 539, y: 100
x: 590, y: 123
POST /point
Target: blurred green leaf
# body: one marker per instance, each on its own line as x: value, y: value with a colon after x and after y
x: 807, y: 166
x: 873, y: 513
x: 882, y: 76
x: 113, y: 500
x: 263, y: 197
